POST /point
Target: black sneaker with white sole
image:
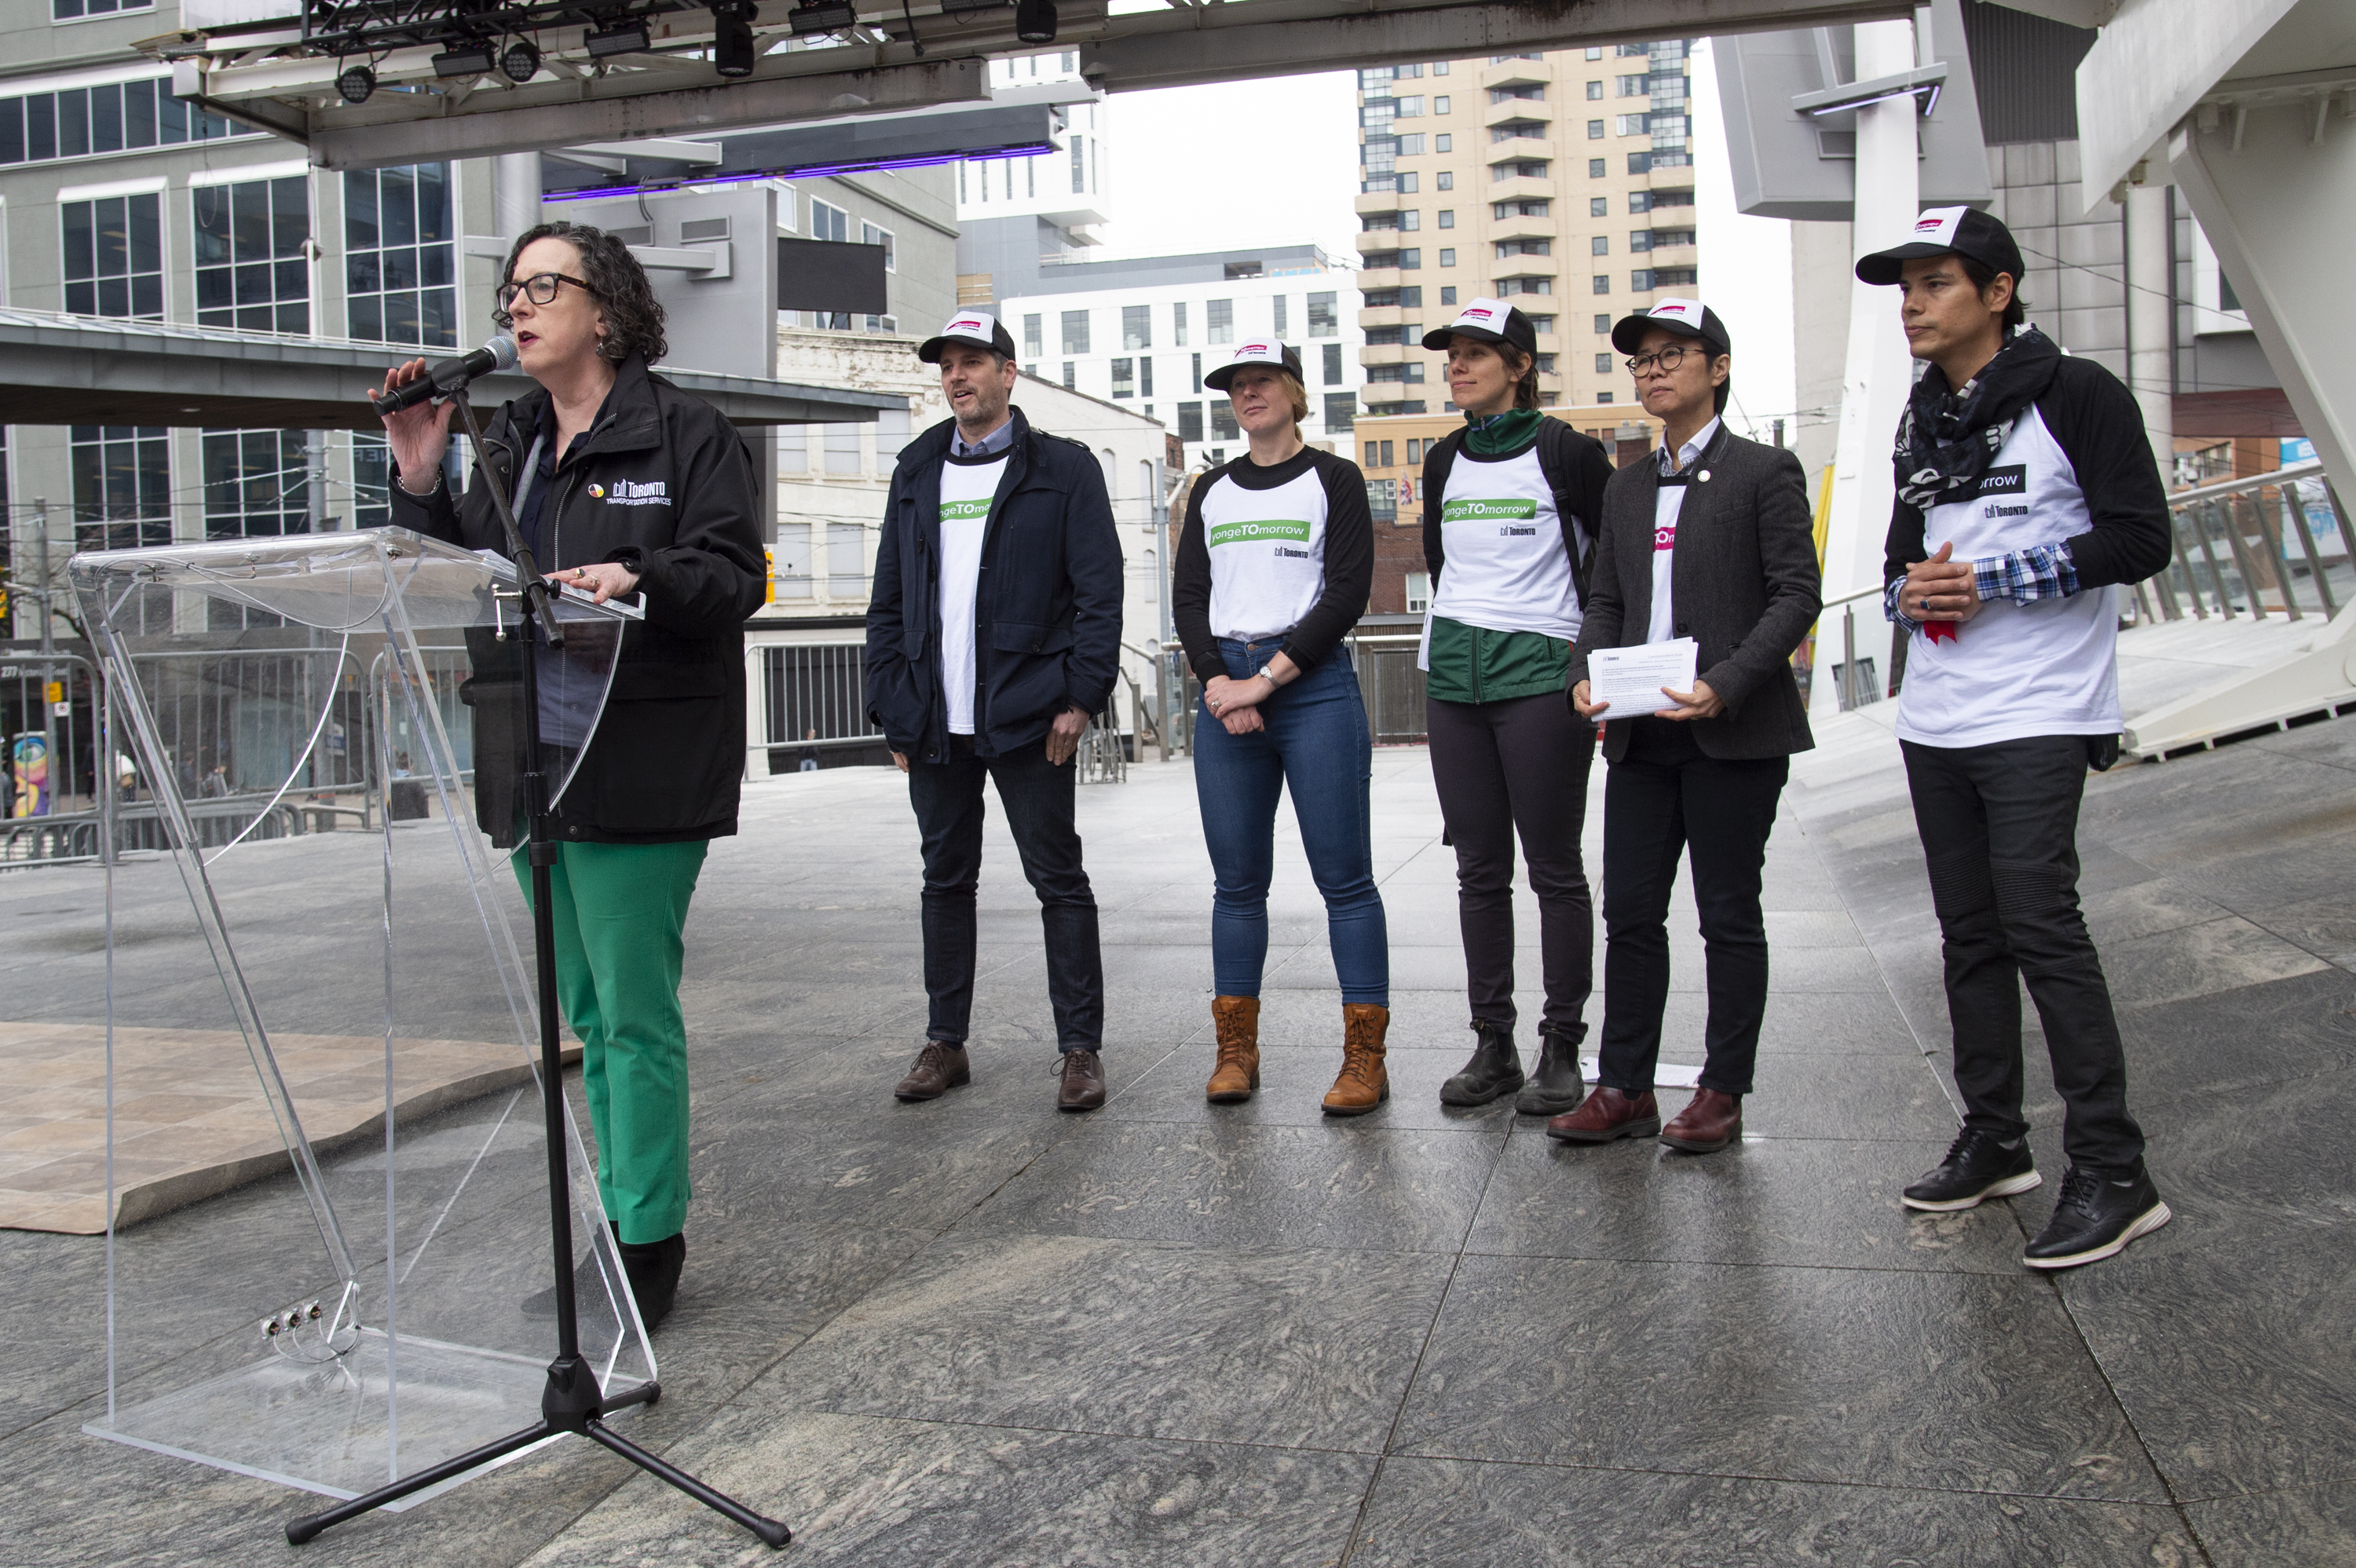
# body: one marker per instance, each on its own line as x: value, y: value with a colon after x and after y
x: 1979, y: 1166
x: 2098, y: 1214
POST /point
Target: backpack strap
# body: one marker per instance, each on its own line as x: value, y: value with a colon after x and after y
x: 1438, y: 459
x: 1557, y: 444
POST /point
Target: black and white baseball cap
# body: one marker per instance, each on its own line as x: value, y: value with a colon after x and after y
x: 1687, y: 318
x: 977, y: 327
x: 1486, y: 321
x: 1260, y: 351
x: 1943, y: 231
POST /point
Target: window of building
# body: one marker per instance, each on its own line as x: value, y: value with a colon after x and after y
x: 829, y: 222
x: 256, y: 483
x: 71, y: 10
x: 1640, y: 280
x: 1382, y: 373
x: 841, y: 443
x: 1446, y: 180
x: 1524, y: 248
x: 1599, y: 245
x: 1635, y: 86
x: 82, y: 122
x: 114, y: 255
x: 1595, y: 169
x: 1145, y: 380
x: 1219, y: 316
x: 1603, y: 364
x: 1603, y: 397
x: 1279, y: 313
x: 1410, y: 108
x: 1411, y: 146
x: 1594, y: 89
x: 1442, y: 106
x: 1595, y: 130
x: 1124, y: 378
x: 1071, y: 376
x: 1223, y: 422
x: 1419, y: 593
x: 1541, y: 325
x: 251, y: 270
x: 1448, y: 217
x: 1190, y: 421
x: 1439, y: 68
x: 793, y: 448
x: 1136, y: 326
x: 1602, y: 282
x: 1075, y: 333
x: 1341, y: 412
x: 1525, y: 168
x: 1448, y: 294
x: 400, y: 256
x: 1640, y: 163
x: 1080, y: 164
x: 1508, y: 287
x: 1632, y: 126
x: 1638, y: 240
x: 122, y: 486
x: 1545, y: 364
x: 1409, y: 182
x: 1528, y: 92
x: 1332, y: 364
x: 1446, y: 257
x: 870, y: 235
x: 1382, y: 499
x: 1031, y: 336
x: 1198, y: 372
x: 1602, y: 322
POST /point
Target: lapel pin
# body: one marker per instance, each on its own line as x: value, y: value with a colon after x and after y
x: 1703, y: 476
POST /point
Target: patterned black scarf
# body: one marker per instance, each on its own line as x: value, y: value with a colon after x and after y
x: 1947, y: 439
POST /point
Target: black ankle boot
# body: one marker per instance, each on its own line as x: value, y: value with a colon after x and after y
x: 1556, y: 1086
x: 653, y: 1269
x: 1495, y: 1070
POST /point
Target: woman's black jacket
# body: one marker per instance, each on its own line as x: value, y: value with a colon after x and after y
x: 664, y: 487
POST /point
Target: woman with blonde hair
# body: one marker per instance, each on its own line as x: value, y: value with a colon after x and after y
x: 1273, y: 567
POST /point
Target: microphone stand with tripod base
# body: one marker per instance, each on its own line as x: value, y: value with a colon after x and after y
x: 573, y: 1402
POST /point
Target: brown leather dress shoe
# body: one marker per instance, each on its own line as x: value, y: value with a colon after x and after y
x: 940, y: 1067
x: 1083, y: 1085
x: 1237, y: 1074
x: 1709, y: 1123
x: 1607, y: 1114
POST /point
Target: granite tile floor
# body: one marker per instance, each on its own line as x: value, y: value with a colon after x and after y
x: 978, y: 1332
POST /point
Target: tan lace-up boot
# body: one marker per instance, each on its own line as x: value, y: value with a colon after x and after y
x: 1364, y: 1083
x: 1238, y: 1073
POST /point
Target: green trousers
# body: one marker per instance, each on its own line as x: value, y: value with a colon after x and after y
x: 620, y: 911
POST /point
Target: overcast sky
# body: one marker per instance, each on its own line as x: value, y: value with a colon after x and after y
x: 1274, y: 162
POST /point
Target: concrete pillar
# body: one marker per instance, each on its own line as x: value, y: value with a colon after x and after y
x: 2150, y: 299
x: 1879, y: 371
x: 515, y: 192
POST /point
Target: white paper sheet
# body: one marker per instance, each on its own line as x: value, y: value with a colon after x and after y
x: 1630, y: 679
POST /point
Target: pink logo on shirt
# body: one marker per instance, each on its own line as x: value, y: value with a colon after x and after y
x: 1665, y: 536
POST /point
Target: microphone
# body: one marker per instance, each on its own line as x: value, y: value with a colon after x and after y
x: 451, y: 375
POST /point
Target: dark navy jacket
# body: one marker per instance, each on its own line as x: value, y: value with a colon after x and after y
x: 1046, y: 609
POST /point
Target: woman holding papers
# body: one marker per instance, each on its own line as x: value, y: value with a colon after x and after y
x: 1705, y: 573
x: 1510, y: 506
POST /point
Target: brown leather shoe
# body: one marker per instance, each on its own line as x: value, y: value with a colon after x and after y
x: 1709, y: 1123
x: 1606, y: 1114
x: 940, y: 1067
x: 1083, y: 1086
x: 1364, y: 1083
x: 1237, y: 1072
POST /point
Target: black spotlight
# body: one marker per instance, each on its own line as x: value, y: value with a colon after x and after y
x: 356, y: 82
x: 813, y: 18
x: 466, y: 58
x: 622, y: 38
x: 520, y: 61
x: 1035, y: 21
x: 731, y: 41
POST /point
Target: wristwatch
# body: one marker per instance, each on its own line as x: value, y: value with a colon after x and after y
x: 1263, y: 674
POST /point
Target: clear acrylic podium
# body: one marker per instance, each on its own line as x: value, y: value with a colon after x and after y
x: 360, y: 1309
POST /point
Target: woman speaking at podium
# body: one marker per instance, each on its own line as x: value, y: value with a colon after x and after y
x: 629, y: 486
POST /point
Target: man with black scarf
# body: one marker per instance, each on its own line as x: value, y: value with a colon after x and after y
x: 2031, y: 472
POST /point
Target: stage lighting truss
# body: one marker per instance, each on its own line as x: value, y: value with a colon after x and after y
x: 469, y: 26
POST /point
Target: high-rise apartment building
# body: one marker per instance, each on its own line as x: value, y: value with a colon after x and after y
x: 1562, y: 183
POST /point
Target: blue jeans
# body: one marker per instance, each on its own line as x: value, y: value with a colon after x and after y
x: 1315, y: 743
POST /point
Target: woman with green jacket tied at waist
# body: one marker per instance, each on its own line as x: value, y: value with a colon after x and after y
x: 1510, y: 505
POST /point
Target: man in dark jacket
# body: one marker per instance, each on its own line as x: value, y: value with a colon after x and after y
x: 994, y: 636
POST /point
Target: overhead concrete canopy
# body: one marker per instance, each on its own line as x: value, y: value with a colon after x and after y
x: 66, y: 369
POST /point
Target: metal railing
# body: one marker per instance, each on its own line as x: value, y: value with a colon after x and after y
x: 2253, y: 547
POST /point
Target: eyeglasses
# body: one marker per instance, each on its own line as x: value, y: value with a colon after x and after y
x: 1668, y: 359
x: 539, y: 288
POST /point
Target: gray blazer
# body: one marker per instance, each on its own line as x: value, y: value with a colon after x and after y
x: 1747, y: 588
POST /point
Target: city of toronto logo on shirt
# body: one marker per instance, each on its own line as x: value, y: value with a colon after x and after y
x: 1292, y: 528
x: 634, y: 492
x: 965, y: 511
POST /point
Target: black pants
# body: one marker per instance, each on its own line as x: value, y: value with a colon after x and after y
x: 1664, y: 801
x: 1038, y: 797
x: 1503, y: 768
x: 1999, y: 826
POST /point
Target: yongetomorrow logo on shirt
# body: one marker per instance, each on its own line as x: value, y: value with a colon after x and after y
x: 1295, y: 530
x: 1518, y: 509
x: 965, y: 511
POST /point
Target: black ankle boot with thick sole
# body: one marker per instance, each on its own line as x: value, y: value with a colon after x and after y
x: 1494, y: 1071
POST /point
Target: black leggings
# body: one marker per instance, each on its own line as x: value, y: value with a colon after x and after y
x: 1503, y: 768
